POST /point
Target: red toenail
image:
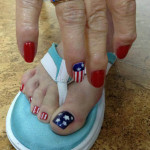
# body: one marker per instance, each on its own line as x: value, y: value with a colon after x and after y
x: 21, y: 88
x: 44, y: 116
x: 30, y: 99
x: 36, y: 110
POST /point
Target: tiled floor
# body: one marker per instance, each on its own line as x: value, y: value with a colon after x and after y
x: 127, y: 117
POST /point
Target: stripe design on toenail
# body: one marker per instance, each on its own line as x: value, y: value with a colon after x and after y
x: 30, y: 99
x: 36, y: 110
x: 63, y: 119
x: 44, y: 116
x: 21, y: 88
x: 78, y: 72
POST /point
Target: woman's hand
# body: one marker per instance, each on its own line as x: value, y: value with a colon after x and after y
x: 84, y: 28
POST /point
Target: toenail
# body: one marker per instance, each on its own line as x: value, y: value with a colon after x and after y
x: 97, y: 78
x: 36, y: 110
x: 21, y: 88
x: 122, y: 51
x: 63, y: 119
x: 78, y: 72
x: 44, y: 116
x: 30, y: 99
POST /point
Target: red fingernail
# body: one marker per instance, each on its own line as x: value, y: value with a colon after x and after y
x: 30, y: 99
x: 44, y: 116
x: 29, y: 51
x: 97, y: 78
x: 36, y: 110
x: 122, y: 51
x: 21, y: 88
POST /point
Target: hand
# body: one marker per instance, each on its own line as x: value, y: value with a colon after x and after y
x: 84, y: 28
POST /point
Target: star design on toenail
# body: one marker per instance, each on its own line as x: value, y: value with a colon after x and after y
x: 58, y: 119
x: 59, y: 114
x: 66, y: 117
x: 64, y: 123
x: 82, y: 65
x: 78, y: 69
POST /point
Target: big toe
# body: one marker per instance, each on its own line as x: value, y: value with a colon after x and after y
x: 72, y: 115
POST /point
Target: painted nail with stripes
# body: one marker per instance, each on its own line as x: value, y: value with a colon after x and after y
x: 21, y: 88
x: 44, y: 116
x: 78, y: 72
x: 30, y: 99
x: 36, y: 110
x: 63, y: 119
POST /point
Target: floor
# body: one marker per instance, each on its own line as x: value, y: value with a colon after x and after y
x: 127, y: 117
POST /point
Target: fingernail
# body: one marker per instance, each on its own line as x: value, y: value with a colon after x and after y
x: 63, y: 119
x: 78, y: 72
x: 30, y: 99
x: 29, y: 51
x: 44, y: 116
x: 21, y: 88
x: 36, y: 110
x: 97, y: 78
x: 122, y: 51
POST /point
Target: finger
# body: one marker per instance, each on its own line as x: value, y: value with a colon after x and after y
x: 124, y: 19
x: 72, y: 19
x: 96, y: 35
x: 27, y: 16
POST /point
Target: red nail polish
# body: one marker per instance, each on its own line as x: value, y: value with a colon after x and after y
x: 122, y: 51
x: 97, y: 78
x: 29, y: 51
x: 30, y: 99
x: 36, y: 110
x: 21, y: 88
x: 44, y: 116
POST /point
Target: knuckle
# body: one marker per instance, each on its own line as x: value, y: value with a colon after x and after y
x: 28, y: 28
x: 125, y: 8
x: 31, y: 4
x: 97, y: 19
x: 129, y: 38
x: 72, y: 14
x: 99, y: 60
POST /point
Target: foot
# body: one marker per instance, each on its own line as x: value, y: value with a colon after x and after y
x: 42, y: 93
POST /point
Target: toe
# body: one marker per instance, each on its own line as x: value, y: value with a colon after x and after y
x: 27, y: 75
x: 36, y: 99
x: 71, y: 116
x: 31, y: 86
x: 50, y: 104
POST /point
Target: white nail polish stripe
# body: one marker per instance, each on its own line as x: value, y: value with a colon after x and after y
x: 78, y: 76
x: 42, y: 115
x: 38, y: 110
x: 45, y: 116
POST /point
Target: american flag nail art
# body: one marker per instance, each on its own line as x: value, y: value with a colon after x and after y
x: 78, y: 72
x: 63, y: 119
x: 21, y: 88
x: 44, y: 116
x: 36, y: 110
x: 30, y: 99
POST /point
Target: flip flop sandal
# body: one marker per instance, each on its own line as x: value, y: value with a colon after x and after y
x: 26, y: 132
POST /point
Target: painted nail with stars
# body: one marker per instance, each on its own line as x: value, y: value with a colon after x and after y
x: 78, y: 72
x: 63, y: 119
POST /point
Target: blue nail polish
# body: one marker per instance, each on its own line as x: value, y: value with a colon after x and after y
x: 78, y: 72
x: 63, y: 119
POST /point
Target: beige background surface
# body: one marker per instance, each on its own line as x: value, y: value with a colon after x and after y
x: 127, y: 117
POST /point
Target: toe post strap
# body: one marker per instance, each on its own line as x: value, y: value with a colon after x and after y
x: 56, y: 68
